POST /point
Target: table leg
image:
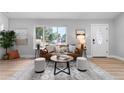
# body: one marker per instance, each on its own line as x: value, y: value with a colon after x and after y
x: 55, y: 68
x: 68, y: 66
x: 62, y: 70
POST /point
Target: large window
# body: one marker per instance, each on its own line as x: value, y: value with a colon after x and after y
x: 51, y: 35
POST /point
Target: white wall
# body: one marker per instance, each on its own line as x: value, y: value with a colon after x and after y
x: 30, y: 24
x: 4, y: 21
x: 118, y: 48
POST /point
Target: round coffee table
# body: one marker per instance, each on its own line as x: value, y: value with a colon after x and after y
x: 62, y: 59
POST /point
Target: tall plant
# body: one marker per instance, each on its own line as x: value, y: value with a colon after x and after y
x: 7, y: 39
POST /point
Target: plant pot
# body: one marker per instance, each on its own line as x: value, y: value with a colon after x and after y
x: 5, y: 57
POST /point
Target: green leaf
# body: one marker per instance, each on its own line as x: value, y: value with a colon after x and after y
x: 7, y: 39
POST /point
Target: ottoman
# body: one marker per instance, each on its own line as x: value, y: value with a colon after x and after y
x: 82, y: 64
x: 40, y: 65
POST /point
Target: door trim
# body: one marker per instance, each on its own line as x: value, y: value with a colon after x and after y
x: 91, y: 39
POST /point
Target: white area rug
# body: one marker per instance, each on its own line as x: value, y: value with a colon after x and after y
x: 93, y: 73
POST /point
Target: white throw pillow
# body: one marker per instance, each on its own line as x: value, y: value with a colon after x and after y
x: 50, y: 48
x: 72, y: 48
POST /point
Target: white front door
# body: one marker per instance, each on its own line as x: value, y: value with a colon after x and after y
x: 99, y: 40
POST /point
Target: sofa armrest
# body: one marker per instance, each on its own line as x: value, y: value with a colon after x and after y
x: 77, y: 51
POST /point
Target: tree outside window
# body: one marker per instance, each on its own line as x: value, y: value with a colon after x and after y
x: 51, y: 35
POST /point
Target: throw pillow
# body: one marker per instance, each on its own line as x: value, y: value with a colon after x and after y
x: 72, y: 48
x: 13, y: 54
x: 50, y: 48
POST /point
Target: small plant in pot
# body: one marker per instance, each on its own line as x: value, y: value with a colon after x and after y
x: 7, y: 40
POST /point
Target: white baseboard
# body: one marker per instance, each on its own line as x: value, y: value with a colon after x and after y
x: 89, y: 56
x: 116, y: 57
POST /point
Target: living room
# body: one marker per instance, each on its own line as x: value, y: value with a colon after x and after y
x: 61, y: 46
x: 27, y: 24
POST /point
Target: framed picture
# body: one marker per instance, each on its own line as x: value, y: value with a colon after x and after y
x: 21, y: 36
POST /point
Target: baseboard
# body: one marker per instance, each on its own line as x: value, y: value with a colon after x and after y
x: 89, y: 56
x: 116, y: 57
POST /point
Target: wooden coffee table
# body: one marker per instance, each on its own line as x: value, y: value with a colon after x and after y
x: 62, y: 59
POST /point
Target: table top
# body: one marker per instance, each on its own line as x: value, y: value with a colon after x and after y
x: 62, y: 58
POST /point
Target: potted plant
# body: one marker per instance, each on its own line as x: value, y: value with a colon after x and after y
x: 7, y: 40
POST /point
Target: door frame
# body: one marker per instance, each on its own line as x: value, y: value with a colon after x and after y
x: 107, y: 36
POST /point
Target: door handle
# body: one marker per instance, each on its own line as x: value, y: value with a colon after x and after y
x: 93, y: 41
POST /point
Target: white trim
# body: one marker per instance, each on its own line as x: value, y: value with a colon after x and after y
x: 91, y: 38
x: 89, y: 56
x: 91, y: 41
x: 116, y: 57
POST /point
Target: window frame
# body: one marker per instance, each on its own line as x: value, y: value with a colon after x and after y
x: 44, y: 43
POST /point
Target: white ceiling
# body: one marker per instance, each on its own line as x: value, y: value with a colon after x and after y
x: 62, y: 15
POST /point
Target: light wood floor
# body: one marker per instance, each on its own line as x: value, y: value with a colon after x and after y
x: 113, y: 66
x: 9, y: 68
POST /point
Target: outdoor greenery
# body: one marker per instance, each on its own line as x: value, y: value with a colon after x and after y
x: 7, y: 39
x: 39, y: 32
x: 50, y: 36
x: 63, y: 38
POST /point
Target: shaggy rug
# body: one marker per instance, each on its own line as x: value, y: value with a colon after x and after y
x: 93, y: 73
